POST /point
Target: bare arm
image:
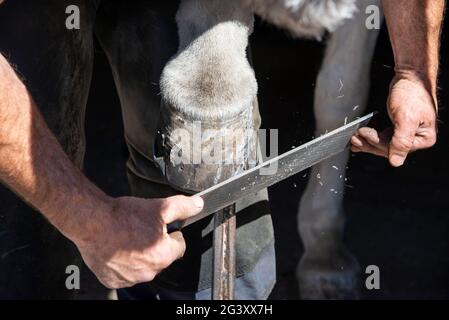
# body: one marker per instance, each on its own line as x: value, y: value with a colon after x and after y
x: 414, y: 27
x: 32, y: 162
x: 124, y: 241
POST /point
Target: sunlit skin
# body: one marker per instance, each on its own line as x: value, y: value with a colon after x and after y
x: 124, y: 241
x: 414, y: 27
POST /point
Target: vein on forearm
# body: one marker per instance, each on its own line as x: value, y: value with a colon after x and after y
x: 415, y: 27
x: 33, y: 164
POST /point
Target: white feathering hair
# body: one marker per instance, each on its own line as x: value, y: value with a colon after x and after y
x: 305, y: 18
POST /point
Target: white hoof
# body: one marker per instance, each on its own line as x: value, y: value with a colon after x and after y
x: 336, y: 278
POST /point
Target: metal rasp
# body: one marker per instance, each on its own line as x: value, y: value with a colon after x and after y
x: 296, y: 160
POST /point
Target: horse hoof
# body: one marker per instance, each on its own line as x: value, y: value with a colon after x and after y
x: 329, y: 286
x: 324, y: 280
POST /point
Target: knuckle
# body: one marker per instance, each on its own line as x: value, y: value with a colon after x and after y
x: 433, y: 137
x: 164, y: 205
x: 179, y: 250
x: 431, y: 141
x: 146, y: 276
x: 173, y: 204
x: 166, y: 208
x: 402, y: 143
x: 162, y: 262
x: 109, y: 284
x: 162, y: 256
x: 151, y: 276
x: 165, y: 262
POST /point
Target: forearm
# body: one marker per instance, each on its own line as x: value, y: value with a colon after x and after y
x: 33, y: 164
x: 414, y: 27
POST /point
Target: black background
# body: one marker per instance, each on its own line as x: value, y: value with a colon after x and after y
x: 397, y: 219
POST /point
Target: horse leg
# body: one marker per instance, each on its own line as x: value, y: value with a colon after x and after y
x: 327, y: 269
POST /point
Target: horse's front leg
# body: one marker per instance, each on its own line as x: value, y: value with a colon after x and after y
x: 208, y: 90
x: 209, y: 117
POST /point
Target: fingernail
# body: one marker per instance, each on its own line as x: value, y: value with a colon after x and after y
x: 198, y: 201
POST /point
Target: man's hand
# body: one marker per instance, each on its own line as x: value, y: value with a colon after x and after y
x: 124, y: 241
x: 412, y: 110
x: 414, y: 27
x: 128, y: 243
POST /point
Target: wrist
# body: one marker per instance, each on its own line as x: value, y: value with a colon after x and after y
x: 420, y: 77
x: 83, y: 217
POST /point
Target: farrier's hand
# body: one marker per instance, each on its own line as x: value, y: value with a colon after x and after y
x: 412, y: 110
x: 130, y: 243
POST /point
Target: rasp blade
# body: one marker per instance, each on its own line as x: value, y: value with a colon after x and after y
x: 296, y: 160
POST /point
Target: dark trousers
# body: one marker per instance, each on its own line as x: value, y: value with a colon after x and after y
x: 56, y: 65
